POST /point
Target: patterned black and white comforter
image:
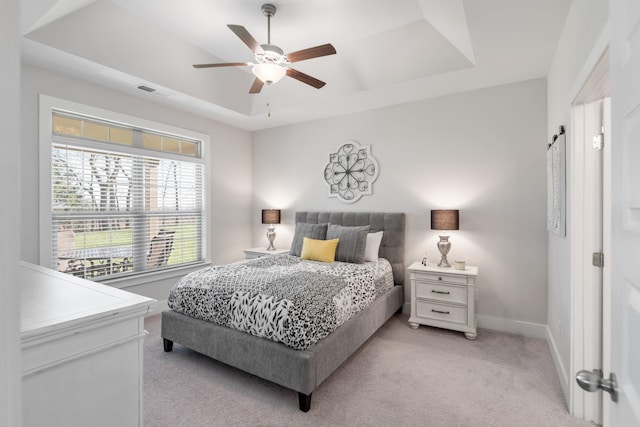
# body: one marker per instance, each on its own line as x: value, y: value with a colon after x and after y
x: 281, y: 297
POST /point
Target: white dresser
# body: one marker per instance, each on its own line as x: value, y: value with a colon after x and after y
x: 444, y: 297
x: 82, y: 348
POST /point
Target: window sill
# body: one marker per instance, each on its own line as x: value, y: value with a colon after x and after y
x: 154, y: 276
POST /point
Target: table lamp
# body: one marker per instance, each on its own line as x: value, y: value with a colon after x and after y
x: 444, y: 220
x: 271, y: 216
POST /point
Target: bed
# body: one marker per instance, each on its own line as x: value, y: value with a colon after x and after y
x: 301, y: 370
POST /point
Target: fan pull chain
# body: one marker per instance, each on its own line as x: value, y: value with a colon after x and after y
x: 268, y: 108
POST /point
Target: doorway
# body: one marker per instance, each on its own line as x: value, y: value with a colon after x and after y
x: 590, y: 235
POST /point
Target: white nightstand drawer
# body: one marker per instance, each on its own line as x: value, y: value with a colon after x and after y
x: 449, y: 313
x: 445, y: 278
x: 450, y: 293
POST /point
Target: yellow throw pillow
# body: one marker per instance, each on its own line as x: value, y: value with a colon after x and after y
x: 319, y: 250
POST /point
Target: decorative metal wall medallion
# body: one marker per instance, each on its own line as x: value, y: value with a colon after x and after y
x: 351, y: 172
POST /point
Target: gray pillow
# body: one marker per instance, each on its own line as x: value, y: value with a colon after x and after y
x: 312, y: 231
x: 353, y: 241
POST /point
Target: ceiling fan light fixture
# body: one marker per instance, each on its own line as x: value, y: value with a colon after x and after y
x: 269, y: 73
x: 272, y: 64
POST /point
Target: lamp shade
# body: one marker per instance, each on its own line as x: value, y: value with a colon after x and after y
x: 271, y: 216
x: 268, y: 73
x: 444, y: 219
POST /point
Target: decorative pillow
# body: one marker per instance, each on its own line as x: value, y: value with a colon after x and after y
x: 372, y: 248
x: 352, y: 242
x: 313, y: 231
x: 319, y: 250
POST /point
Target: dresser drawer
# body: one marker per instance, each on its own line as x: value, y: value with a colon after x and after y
x: 444, y: 278
x: 442, y: 292
x: 445, y: 312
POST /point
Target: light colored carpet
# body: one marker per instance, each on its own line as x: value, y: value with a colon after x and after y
x: 401, y: 377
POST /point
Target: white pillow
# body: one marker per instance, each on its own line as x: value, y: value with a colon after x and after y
x: 373, y: 246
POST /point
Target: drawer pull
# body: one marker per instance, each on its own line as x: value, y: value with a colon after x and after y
x: 439, y: 278
x: 438, y: 311
x: 440, y: 292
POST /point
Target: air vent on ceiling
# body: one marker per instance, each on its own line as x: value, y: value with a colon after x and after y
x: 146, y: 88
x: 156, y: 92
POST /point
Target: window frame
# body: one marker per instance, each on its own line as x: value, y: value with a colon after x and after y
x: 47, y: 107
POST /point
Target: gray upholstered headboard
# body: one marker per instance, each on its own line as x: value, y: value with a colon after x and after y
x: 392, y: 246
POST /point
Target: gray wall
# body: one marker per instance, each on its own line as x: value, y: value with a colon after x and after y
x: 585, y: 23
x: 482, y: 152
x: 229, y: 172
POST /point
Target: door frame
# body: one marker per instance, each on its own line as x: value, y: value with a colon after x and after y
x: 588, y: 309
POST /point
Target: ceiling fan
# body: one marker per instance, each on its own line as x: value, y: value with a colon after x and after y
x: 271, y: 61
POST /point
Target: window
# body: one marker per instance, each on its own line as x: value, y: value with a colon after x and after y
x: 124, y: 200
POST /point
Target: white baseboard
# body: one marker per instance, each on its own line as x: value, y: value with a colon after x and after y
x: 527, y: 329
x: 563, y: 377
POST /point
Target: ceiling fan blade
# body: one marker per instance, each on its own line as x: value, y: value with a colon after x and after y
x: 224, y: 64
x: 312, y: 52
x: 247, y: 38
x: 305, y: 78
x: 256, y: 87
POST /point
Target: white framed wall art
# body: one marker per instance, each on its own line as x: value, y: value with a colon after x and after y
x: 556, y: 184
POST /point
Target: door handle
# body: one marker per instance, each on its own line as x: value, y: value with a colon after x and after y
x: 592, y: 381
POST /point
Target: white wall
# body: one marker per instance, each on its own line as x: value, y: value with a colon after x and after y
x: 229, y: 174
x: 10, y: 386
x: 583, y: 29
x: 482, y: 152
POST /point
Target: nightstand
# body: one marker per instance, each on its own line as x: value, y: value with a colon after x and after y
x: 258, y: 252
x: 444, y: 297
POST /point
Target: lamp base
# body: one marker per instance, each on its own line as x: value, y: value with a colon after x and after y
x: 271, y: 235
x: 443, y: 262
x: 444, y: 246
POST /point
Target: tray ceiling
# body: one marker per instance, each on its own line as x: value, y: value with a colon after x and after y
x: 387, y: 52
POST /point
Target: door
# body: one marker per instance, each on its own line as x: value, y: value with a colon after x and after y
x: 624, y: 22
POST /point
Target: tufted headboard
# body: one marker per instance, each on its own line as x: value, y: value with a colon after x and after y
x: 392, y: 246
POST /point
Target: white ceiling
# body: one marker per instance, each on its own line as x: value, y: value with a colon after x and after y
x: 387, y: 52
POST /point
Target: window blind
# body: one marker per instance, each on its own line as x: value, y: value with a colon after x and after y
x: 122, y: 212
